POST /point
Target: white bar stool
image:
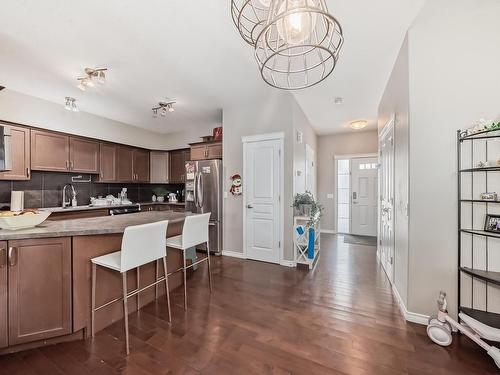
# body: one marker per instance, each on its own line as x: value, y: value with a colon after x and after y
x: 194, y: 232
x: 141, y: 244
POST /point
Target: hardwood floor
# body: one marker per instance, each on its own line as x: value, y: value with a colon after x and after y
x: 340, y: 318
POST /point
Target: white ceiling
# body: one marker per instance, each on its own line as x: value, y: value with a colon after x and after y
x: 189, y: 51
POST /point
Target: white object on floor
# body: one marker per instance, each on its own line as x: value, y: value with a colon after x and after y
x: 440, y: 327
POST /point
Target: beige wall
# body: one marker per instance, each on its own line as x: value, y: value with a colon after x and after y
x: 454, y: 80
x: 28, y: 110
x: 328, y: 147
x: 395, y: 102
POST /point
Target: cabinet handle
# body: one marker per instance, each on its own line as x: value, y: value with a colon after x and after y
x: 28, y: 172
x: 67, y: 164
x: 12, y: 258
x: 3, y: 257
x: 72, y: 164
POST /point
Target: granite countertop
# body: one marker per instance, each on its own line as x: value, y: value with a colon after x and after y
x: 91, y: 226
x: 89, y: 207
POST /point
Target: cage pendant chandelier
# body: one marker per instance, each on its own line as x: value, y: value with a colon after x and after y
x: 249, y: 17
x: 299, y: 44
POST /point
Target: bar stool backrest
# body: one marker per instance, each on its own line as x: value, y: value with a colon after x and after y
x: 195, y: 230
x: 143, y: 244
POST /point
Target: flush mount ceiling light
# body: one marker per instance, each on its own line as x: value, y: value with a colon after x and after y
x: 358, y: 124
x: 299, y: 45
x: 249, y: 16
x: 70, y: 104
x: 163, y: 108
x: 91, y: 77
x: 338, y: 100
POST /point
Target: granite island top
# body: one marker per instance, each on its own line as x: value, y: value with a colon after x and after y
x: 91, y: 226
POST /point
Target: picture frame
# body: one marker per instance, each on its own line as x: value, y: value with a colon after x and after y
x: 492, y: 223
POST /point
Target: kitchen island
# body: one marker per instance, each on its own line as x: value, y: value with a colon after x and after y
x: 45, y: 277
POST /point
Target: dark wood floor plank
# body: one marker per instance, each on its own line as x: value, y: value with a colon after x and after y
x: 340, y: 318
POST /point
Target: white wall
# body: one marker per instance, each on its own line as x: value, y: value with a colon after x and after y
x: 328, y: 147
x: 395, y: 102
x: 454, y: 80
x: 28, y: 110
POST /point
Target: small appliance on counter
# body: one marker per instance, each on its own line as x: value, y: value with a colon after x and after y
x: 172, y: 198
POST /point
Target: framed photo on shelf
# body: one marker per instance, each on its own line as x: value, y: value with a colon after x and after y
x: 492, y: 223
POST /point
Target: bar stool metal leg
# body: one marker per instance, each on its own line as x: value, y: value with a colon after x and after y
x: 125, y: 310
x: 138, y: 287
x: 209, y: 271
x: 157, y: 276
x: 94, y: 269
x: 167, y: 292
x: 184, y: 273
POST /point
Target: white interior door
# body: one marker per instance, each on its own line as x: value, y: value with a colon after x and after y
x: 261, y: 190
x: 386, y: 235
x: 364, y: 180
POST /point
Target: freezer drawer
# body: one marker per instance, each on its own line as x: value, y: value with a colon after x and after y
x: 215, y: 238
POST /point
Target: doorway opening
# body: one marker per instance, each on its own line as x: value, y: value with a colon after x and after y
x: 357, y: 196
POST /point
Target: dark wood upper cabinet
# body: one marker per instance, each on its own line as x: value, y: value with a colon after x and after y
x: 21, y: 157
x: 107, y: 156
x: 178, y: 165
x: 206, y: 150
x: 124, y: 164
x: 4, y: 330
x: 159, y: 167
x: 141, y: 165
x: 49, y: 151
x: 83, y: 155
x: 39, y: 282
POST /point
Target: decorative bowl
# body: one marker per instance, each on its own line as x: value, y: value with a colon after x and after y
x: 24, y: 221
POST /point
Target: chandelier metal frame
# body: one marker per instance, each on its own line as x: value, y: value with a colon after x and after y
x: 249, y: 17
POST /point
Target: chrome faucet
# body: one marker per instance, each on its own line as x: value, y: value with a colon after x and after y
x: 66, y: 203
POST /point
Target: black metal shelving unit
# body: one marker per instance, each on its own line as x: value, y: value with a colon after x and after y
x: 489, y: 277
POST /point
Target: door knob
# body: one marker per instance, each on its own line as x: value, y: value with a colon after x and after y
x: 249, y: 206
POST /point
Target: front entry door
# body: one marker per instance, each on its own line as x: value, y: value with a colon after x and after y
x: 261, y: 189
x: 364, y: 177
x: 386, y: 240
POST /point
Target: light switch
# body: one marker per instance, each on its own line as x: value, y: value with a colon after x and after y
x: 225, y: 194
x: 329, y: 196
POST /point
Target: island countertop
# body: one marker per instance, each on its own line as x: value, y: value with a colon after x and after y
x: 91, y: 226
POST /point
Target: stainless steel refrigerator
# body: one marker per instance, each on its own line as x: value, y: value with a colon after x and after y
x: 204, y: 194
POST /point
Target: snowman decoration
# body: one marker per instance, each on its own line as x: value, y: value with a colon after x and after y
x: 236, y: 188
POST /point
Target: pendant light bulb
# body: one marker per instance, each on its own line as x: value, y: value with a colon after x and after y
x: 171, y: 108
x: 297, y: 25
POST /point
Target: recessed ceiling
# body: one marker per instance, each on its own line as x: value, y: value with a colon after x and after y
x: 189, y: 51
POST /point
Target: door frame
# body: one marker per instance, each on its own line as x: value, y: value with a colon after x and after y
x: 335, y: 176
x: 387, y: 128
x: 280, y: 136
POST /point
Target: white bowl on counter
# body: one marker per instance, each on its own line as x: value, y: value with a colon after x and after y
x: 23, y: 221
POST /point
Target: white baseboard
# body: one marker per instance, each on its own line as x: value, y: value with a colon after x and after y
x: 233, y: 254
x: 408, y: 315
x: 287, y: 263
x: 327, y: 231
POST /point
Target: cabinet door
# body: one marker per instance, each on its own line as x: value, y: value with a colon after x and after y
x: 107, y: 163
x: 124, y: 164
x: 39, y: 289
x: 159, y: 167
x: 198, y: 152
x: 141, y: 165
x: 84, y: 155
x: 49, y: 151
x: 214, y: 151
x: 177, y: 166
x: 4, y: 330
x: 20, y: 138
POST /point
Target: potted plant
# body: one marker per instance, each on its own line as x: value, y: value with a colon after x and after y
x: 304, y: 204
x: 160, y: 193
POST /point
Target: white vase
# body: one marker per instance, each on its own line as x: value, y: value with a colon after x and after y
x: 153, y: 198
x: 161, y: 199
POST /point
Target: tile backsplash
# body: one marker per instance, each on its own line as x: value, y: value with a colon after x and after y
x: 45, y: 189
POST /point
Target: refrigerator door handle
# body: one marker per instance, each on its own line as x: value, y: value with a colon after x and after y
x: 195, y: 187
x: 200, y: 191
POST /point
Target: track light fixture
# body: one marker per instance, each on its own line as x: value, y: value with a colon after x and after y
x: 70, y: 104
x: 91, y: 77
x: 163, y: 108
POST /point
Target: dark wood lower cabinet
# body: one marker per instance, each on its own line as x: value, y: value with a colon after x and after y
x: 39, y: 289
x: 3, y: 296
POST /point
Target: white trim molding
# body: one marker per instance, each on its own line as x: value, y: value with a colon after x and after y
x: 233, y: 254
x: 287, y: 263
x: 262, y: 137
x: 327, y: 231
x: 408, y: 315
